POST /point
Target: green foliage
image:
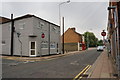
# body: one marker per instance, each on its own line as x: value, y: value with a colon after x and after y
x: 91, y: 39
x: 100, y: 43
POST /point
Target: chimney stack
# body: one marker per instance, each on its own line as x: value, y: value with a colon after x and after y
x: 73, y: 28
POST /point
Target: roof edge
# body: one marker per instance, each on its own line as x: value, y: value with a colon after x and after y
x: 28, y: 16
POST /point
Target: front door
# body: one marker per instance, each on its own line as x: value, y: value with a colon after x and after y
x: 32, y: 48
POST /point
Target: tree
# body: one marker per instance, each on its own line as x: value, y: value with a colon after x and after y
x: 100, y: 43
x: 90, y: 39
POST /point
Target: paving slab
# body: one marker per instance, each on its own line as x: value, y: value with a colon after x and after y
x: 102, y: 68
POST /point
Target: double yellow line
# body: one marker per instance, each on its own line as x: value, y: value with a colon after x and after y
x: 79, y: 76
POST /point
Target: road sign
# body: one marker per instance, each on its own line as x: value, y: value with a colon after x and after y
x: 43, y: 35
x: 103, y: 33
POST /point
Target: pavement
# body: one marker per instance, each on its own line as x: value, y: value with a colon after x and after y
x: 103, y: 67
x: 39, y: 58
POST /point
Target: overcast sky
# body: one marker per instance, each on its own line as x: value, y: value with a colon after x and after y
x: 84, y: 16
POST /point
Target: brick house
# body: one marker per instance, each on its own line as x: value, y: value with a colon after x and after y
x: 73, y: 41
x: 114, y: 31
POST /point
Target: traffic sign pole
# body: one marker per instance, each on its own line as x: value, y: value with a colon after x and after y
x: 103, y: 34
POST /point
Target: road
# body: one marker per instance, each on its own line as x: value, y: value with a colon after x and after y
x: 61, y: 67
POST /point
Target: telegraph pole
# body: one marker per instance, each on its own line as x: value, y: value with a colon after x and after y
x: 63, y: 32
x: 12, y: 34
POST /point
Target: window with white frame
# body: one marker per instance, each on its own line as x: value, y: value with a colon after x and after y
x: 41, y: 25
x: 52, y: 45
x: 54, y: 29
x: 115, y: 18
x: 44, y: 45
x: 32, y: 48
x: 3, y: 42
x: 22, y: 26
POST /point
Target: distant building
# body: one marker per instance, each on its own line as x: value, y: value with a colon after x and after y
x: 33, y: 36
x: 73, y: 41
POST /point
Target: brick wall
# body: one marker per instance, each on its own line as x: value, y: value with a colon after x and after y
x: 71, y: 36
x: 71, y: 47
x: 119, y: 19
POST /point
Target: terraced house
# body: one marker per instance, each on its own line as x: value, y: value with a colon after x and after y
x: 114, y: 32
x: 32, y: 36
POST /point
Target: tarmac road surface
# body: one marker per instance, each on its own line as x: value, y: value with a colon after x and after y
x: 62, y: 67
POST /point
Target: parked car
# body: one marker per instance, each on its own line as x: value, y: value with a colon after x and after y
x: 100, y: 48
x: 104, y: 46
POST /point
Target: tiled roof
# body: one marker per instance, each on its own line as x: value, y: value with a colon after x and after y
x: 4, y: 19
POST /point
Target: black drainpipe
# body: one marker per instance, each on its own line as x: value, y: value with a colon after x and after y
x: 49, y: 39
x: 63, y: 33
x: 12, y: 34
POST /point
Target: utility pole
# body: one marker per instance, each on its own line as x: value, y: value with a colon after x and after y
x: 49, y: 39
x: 63, y: 32
x: 12, y: 34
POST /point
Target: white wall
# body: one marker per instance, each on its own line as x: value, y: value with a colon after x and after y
x: 6, y: 36
x: 30, y: 26
x: 54, y: 35
x: 25, y: 27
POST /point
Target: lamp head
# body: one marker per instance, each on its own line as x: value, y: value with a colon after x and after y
x: 111, y: 7
x: 68, y: 1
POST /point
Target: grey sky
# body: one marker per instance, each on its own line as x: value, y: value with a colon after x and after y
x: 85, y: 16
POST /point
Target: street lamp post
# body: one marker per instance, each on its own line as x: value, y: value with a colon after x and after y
x: 60, y: 11
x: 63, y: 20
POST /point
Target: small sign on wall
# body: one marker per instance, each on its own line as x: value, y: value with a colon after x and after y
x: 43, y: 35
